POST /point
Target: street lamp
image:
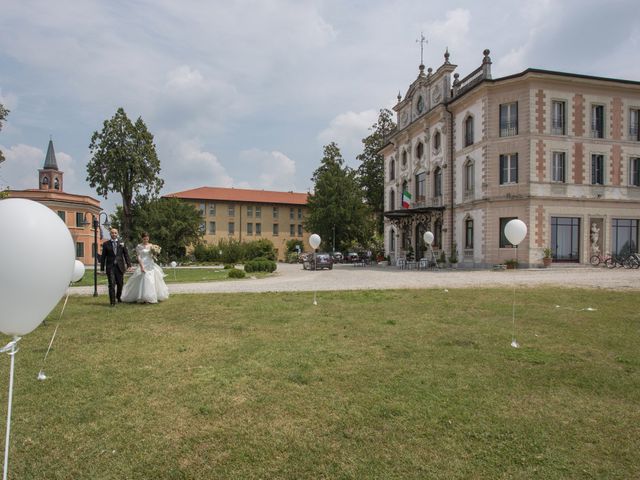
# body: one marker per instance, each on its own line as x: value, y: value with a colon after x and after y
x: 95, y: 221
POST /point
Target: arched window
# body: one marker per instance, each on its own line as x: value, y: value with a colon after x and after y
x: 437, y: 182
x: 392, y: 241
x: 468, y: 131
x: 437, y: 141
x: 56, y: 183
x: 468, y: 233
x: 419, y: 150
x: 392, y: 200
x: 45, y: 180
x: 392, y: 169
x: 468, y: 176
x: 437, y: 234
x: 404, y: 158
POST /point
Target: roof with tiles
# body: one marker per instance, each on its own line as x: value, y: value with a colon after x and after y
x: 241, y: 195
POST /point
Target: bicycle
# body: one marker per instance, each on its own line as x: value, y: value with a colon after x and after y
x: 598, y: 259
x: 631, y: 261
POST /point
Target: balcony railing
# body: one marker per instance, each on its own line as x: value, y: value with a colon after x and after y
x: 557, y: 127
x: 508, y: 129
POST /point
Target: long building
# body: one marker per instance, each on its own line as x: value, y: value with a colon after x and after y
x: 245, y: 215
x: 77, y: 211
x: 560, y: 151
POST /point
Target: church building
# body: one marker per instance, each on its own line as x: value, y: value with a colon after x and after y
x: 559, y: 151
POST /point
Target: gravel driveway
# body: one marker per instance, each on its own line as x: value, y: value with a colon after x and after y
x: 347, y: 277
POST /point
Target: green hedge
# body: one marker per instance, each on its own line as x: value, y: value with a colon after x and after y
x: 235, y: 273
x: 260, y: 265
x: 233, y: 251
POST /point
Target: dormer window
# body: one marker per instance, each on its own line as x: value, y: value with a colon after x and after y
x: 420, y: 105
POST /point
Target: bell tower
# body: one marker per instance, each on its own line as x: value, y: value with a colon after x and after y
x: 49, y: 177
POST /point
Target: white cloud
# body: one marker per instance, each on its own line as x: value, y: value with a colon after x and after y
x: 273, y: 170
x: 347, y: 130
x: 187, y: 165
x: 453, y: 30
x: 19, y: 171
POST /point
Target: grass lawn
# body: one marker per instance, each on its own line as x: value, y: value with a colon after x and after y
x: 180, y: 275
x: 366, y: 385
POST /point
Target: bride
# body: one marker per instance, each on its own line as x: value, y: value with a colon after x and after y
x: 146, y: 285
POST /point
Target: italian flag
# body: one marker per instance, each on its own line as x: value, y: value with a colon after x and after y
x: 406, y: 198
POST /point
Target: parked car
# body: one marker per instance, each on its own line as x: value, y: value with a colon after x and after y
x: 337, y: 257
x: 303, y: 257
x: 322, y: 260
x: 352, y: 257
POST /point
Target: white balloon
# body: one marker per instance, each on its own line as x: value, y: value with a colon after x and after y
x: 78, y: 271
x: 173, y: 264
x: 35, y: 273
x: 515, y: 231
x: 428, y: 238
x: 314, y: 240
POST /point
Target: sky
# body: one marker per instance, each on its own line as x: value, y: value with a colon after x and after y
x: 245, y: 94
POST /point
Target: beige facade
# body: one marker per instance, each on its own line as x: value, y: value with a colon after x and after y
x: 559, y: 151
x: 246, y: 215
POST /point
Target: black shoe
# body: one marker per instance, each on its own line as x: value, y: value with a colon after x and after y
x: 119, y: 301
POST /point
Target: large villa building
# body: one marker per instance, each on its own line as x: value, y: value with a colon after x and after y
x: 559, y: 151
x: 245, y: 215
x: 76, y: 211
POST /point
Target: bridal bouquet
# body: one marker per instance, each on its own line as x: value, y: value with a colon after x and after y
x: 155, y: 251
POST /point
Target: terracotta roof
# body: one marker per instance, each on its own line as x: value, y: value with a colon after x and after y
x: 242, y: 195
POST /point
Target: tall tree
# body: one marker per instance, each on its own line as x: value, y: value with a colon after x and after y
x: 3, y: 116
x: 336, y: 207
x: 371, y: 170
x: 124, y: 160
x: 171, y: 223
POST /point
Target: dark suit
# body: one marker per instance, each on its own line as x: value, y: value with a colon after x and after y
x: 116, y: 261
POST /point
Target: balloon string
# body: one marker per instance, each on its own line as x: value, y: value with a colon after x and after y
x: 12, y: 352
x: 55, y: 331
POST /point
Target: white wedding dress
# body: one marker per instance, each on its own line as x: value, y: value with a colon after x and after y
x: 147, y: 286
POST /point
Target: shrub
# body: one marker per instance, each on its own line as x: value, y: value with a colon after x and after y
x: 292, y: 257
x: 201, y: 252
x: 260, y: 265
x: 235, y: 273
x: 229, y: 266
x: 259, y: 248
x: 511, y: 263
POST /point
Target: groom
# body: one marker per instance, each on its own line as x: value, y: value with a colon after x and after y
x: 116, y: 258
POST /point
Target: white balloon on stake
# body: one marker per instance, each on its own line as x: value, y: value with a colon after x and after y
x: 32, y: 278
x: 314, y: 241
x: 78, y: 271
x: 428, y: 239
x: 515, y: 230
x: 173, y: 265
